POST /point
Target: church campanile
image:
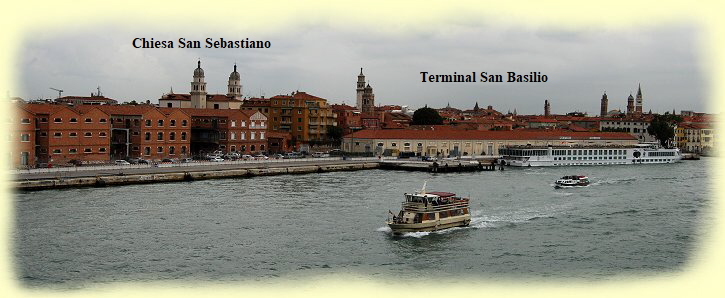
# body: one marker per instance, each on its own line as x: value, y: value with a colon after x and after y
x: 605, y: 103
x: 198, y: 88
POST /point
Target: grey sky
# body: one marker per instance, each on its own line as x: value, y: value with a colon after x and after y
x: 325, y: 62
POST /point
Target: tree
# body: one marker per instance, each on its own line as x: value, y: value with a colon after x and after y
x: 426, y: 116
x: 334, y: 134
x: 663, y: 127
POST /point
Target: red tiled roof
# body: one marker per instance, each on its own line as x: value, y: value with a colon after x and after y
x: 215, y: 113
x: 44, y: 108
x: 342, y: 107
x: 487, y: 135
x: 542, y: 120
x: 168, y: 111
x: 119, y: 109
x: 298, y: 95
x: 698, y: 125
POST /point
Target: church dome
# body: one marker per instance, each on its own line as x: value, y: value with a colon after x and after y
x: 234, y: 75
x: 198, y: 72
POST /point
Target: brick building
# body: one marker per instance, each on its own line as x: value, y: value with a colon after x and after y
x: 23, y: 137
x: 64, y: 134
x: 228, y: 130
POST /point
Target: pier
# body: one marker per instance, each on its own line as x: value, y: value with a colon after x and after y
x: 438, y: 166
x: 111, y: 175
x: 182, y: 174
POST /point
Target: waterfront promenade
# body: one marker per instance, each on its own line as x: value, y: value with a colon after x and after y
x: 114, y: 170
x: 107, y: 175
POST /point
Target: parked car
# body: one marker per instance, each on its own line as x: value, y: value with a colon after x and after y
x: 122, y: 162
x: 247, y: 157
x: 261, y: 157
x: 167, y: 160
x: 277, y: 156
x: 320, y: 154
x: 232, y: 155
x: 293, y: 155
x: 217, y: 159
x: 186, y: 160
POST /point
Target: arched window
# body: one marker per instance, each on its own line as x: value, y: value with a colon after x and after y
x: 172, y: 136
x: 160, y: 136
x: 183, y: 136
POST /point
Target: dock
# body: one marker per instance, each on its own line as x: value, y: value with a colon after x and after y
x: 108, y: 179
x: 438, y: 166
x: 109, y: 175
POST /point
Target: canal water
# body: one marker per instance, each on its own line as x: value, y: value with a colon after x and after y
x: 642, y: 220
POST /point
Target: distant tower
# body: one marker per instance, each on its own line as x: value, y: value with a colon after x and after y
x: 547, y: 108
x: 605, y: 103
x: 638, y: 108
x: 630, y: 104
x: 360, y: 90
x: 368, y: 100
x: 476, y: 108
x: 198, y: 88
x: 234, y: 88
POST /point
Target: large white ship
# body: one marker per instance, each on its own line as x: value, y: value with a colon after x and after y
x: 533, y: 156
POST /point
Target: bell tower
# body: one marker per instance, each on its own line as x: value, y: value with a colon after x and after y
x: 234, y: 88
x: 604, y: 105
x: 638, y: 101
x: 360, y: 90
x: 198, y: 88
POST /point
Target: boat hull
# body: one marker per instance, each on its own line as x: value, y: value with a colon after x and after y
x: 431, y: 226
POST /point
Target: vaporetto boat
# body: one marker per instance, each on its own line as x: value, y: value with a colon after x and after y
x: 538, y: 156
x: 430, y: 211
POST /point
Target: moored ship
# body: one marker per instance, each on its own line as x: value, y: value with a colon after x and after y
x: 430, y: 211
x: 538, y: 156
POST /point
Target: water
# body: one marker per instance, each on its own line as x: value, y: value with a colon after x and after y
x: 632, y: 220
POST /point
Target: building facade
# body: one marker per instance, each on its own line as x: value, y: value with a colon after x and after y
x: 304, y: 116
x: 199, y: 98
x: 637, y: 126
x: 471, y: 142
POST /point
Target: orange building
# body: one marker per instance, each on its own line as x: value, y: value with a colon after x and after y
x: 306, y: 117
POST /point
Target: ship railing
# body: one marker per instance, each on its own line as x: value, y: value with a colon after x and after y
x: 418, y: 207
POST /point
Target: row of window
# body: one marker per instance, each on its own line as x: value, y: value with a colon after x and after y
x: 590, y: 163
x: 60, y: 120
x: 75, y: 150
x: 243, y: 135
x: 626, y: 123
x: 589, y: 152
x: 588, y: 157
x: 87, y: 134
x: 394, y: 144
x: 668, y: 153
x: 159, y: 149
x: 159, y: 123
x: 160, y: 136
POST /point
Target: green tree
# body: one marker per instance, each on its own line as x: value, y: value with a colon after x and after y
x: 662, y: 127
x: 426, y: 116
x: 334, y: 134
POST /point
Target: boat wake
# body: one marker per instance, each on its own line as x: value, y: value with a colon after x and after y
x: 615, y: 181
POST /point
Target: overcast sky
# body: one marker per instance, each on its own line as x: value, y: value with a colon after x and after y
x: 325, y: 62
